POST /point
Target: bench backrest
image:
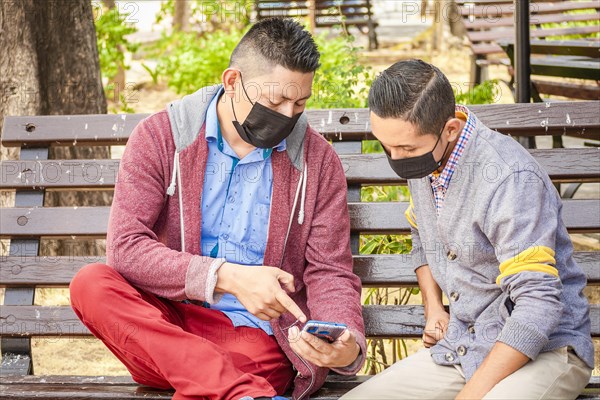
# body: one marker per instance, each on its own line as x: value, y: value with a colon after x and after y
x: 487, y: 21
x: 33, y: 174
x: 327, y: 12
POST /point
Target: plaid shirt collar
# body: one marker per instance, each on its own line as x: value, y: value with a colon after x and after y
x: 443, y: 179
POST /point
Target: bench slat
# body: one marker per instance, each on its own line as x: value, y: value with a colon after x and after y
x: 333, y: 389
x: 380, y: 321
x: 397, y: 270
x: 335, y: 124
x: 54, y: 387
x: 564, y: 68
x: 580, y: 216
x: 484, y: 49
x: 488, y: 2
x: 562, y: 165
x: 374, y: 270
x: 489, y: 11
x: 497, y: 34
x: 333, y: 380
x: 534, y: 20
x: 584, y: 48
x: 61, y: 392
x: 566, y: 89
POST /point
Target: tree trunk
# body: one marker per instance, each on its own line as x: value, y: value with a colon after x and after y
x: 181, y: 19
x: 50, y: 66
x: 312, y: 16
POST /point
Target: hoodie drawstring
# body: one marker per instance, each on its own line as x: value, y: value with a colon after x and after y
x: 171, y: 191
x: 304, y: 179
x: 301, y: 186
x: 171, y: 188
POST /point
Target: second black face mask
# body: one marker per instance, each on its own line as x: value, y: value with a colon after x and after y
x: 263, y: 127
x: 417, y: 167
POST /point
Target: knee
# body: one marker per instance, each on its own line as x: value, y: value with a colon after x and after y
x: 84, y: 287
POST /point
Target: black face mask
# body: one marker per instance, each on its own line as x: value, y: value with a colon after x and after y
x: 417, y: 167
x: 263, y: 127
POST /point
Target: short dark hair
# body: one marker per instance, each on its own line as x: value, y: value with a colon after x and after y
x: 413, y: 91
x: 276, y: 41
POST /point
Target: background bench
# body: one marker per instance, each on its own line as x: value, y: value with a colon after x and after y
x: 325, y: 14
x: 577, y: 59
x: 22, y: 271
x: 486, y: 22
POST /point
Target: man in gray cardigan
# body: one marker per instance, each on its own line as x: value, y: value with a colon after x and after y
x: 487, y: 231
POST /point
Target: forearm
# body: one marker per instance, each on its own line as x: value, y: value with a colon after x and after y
x: 430, y: 290
x: 502, y: 361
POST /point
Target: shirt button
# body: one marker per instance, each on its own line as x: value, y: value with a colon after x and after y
x: 225, y: 236
x: 461, y: 350
x: 449, y: 357
x: 231, y: 199
x: 454, y: 296
x: 451, y: 256
x: 471, y: 329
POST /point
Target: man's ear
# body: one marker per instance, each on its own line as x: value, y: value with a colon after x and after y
x: 453, y: 127
x: 229, y: 78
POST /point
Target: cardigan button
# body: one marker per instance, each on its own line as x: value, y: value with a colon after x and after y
x: 451, y: 256
x: 461, y: 350
x: 449, y: 357
x: 454, y: 296
x: 471, y: 329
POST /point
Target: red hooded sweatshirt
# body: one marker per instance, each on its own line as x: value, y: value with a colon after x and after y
x: 308, y: 234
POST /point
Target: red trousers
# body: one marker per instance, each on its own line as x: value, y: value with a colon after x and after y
x: 168, y: 344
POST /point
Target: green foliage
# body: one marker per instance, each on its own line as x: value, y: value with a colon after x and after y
x: 341, y: 82
x: 487, y: 92
x: 111, y: 31
x: 190, y: 61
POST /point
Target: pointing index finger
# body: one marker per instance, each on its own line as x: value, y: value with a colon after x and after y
x: 289, y: 305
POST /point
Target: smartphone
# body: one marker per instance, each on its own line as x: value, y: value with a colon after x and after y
x: 328, y: 331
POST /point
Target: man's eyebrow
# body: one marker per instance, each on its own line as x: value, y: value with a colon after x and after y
x: 304, y: 98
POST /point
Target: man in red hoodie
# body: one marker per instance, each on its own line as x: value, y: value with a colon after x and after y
x: 229, y: 230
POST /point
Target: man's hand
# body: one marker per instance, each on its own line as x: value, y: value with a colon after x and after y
x: 435, y: 327
x: 501, y: 361
x: 436, y: 317
x: 259, y: 289
x: 338, y: 354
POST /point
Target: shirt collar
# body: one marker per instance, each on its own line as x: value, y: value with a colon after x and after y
x: 443, y: 178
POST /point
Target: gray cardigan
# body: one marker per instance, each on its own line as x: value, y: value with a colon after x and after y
x: 501, y: 212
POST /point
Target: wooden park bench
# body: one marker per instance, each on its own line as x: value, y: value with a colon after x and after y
x: 325, y: 14
x: 25, y: 224
x: 575, y: 59
x: 488, y: 21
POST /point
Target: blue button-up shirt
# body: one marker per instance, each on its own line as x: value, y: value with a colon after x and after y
x: 236, y: 203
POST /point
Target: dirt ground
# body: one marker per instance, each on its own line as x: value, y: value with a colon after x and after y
x: 72, y: 356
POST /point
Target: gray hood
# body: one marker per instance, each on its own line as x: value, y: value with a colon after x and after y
x: 187, y: 115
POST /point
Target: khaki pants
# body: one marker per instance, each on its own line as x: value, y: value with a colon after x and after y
x: 557, y: 374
